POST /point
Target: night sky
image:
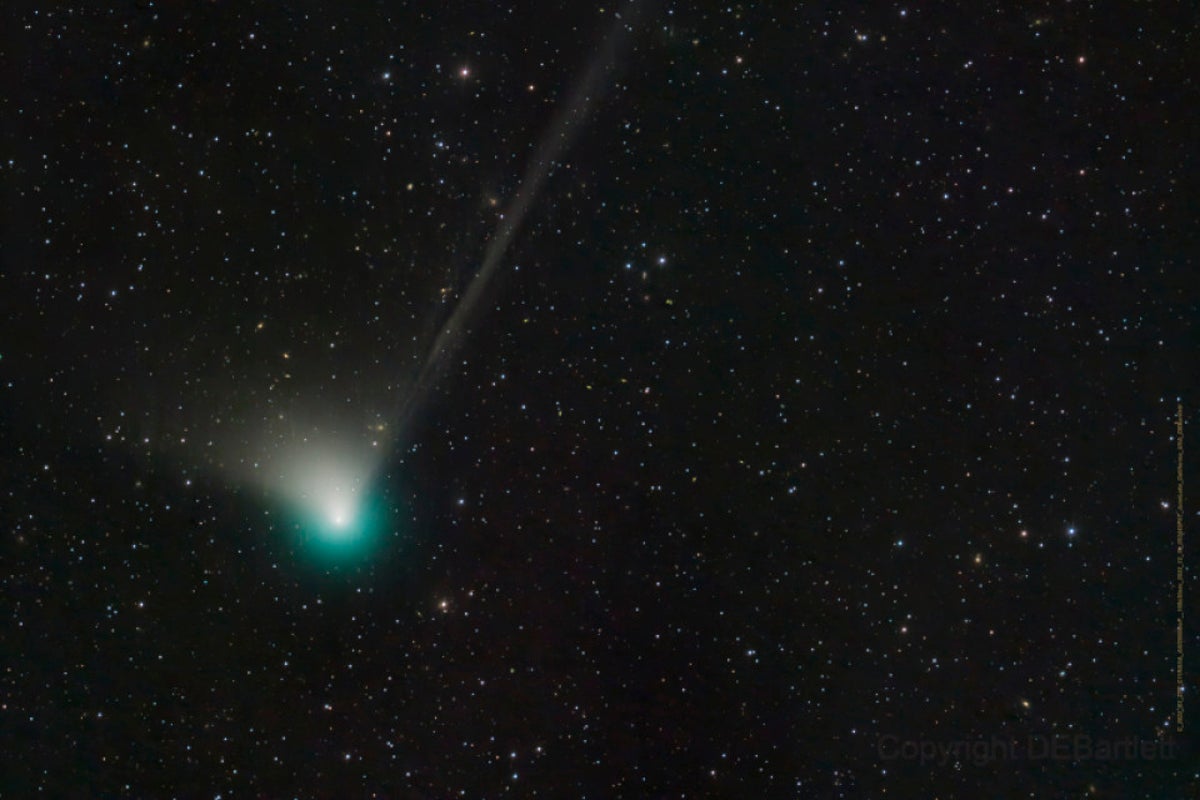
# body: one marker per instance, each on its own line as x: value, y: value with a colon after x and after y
x: 544, y: 399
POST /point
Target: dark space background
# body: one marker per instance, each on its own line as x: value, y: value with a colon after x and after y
x: 827, y: 393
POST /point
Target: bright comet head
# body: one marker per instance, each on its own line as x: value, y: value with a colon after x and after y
x: 328, y: 489
x: 341, y: 512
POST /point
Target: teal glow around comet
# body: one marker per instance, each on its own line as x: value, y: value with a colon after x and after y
x: 344, y: 534
x: 329, y: 490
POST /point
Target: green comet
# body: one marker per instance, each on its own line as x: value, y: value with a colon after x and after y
x: 335, y: 508
x: 342, y: 533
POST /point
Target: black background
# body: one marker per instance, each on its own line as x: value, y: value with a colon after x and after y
x: 821, y: 309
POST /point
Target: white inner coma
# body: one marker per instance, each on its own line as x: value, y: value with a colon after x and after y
x: 326, y: 483
x: 341, y: 513
x: 334, y: 495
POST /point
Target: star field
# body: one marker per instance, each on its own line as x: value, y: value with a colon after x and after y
x: 550, y: 400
